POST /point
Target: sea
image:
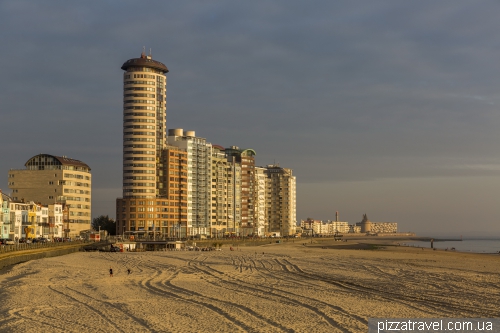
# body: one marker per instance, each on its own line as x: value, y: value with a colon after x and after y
x: 466, y: 245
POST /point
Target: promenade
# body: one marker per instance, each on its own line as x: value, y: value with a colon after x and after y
x: 14, y: 254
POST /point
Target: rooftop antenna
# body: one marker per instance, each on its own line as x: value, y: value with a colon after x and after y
x: 143, y: 54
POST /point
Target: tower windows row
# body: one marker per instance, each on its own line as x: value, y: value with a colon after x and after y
x: 139, y: 139
x: 141, y: 82
x: 135, y: 120
x: 140, y: 114
x: 139, y: 133
x: 144, y: 76
x: 143, y: 101
x: 138, y: 146
x: 140, y: 95
x: 140, y: 89
x: 152, y: 108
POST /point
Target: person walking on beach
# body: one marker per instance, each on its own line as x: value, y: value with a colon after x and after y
x: 110, y: 272
x: 128, y: 271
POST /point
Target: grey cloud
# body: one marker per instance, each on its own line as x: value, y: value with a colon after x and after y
x: 338, y: 91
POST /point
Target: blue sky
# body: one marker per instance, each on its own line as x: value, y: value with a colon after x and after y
x: 387, y: 108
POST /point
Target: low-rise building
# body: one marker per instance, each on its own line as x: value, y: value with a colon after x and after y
x: 55, y: 226
x: 5, y: 218
x: 18, y: 218
x: 317, y: 227
x: 337, y: 227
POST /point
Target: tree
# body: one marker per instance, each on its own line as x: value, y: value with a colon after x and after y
x: 105, y: 223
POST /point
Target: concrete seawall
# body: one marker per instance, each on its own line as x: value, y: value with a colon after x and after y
x: 13, y: 258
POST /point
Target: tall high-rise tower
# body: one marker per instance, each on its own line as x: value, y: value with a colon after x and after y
x: 144, y: 133
x: 154, y: 201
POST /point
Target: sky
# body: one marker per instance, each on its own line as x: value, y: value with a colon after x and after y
x: 388, y: 108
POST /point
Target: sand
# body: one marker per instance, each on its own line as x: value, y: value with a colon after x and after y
x: 275, y: 288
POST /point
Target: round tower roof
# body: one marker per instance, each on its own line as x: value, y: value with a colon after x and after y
x: 144, y: 61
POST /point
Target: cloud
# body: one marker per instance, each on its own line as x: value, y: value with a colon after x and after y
x: 338, y: 91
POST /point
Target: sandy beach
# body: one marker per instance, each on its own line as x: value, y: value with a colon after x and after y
x: 318, y: 287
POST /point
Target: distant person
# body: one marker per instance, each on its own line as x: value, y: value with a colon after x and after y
x: 110, y: 272
x: 129, y: 271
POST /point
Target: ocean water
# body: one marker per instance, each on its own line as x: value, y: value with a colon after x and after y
x: 466, y: 245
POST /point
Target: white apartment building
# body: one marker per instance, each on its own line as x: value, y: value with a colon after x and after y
x: 260, y: 201
x: 55, y: 227
x: 222, y: 193
x: 309, y: 226
x: 199, y: 180
x: 5, y: 223
x: 19, y: 218
x: 325, y: 227
x: 337, y: 226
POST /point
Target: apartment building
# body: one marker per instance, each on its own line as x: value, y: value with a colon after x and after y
x: 144, y: 116
x: 221, y: 193
x: 310, y: 226
x: 337, y: 227
x: 50, y: 179
x: 246, y: 161
x: 199, y: 181
x: 166, y: 215
x: 281, y: 200
x: 155, y: 174
x: 179, y: 184
x: 260, y: 213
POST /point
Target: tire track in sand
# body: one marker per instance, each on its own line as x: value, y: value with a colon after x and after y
x: 238, y: 285
x: 165, y: 285
x: 407, y: 300
x: 148, y: 285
